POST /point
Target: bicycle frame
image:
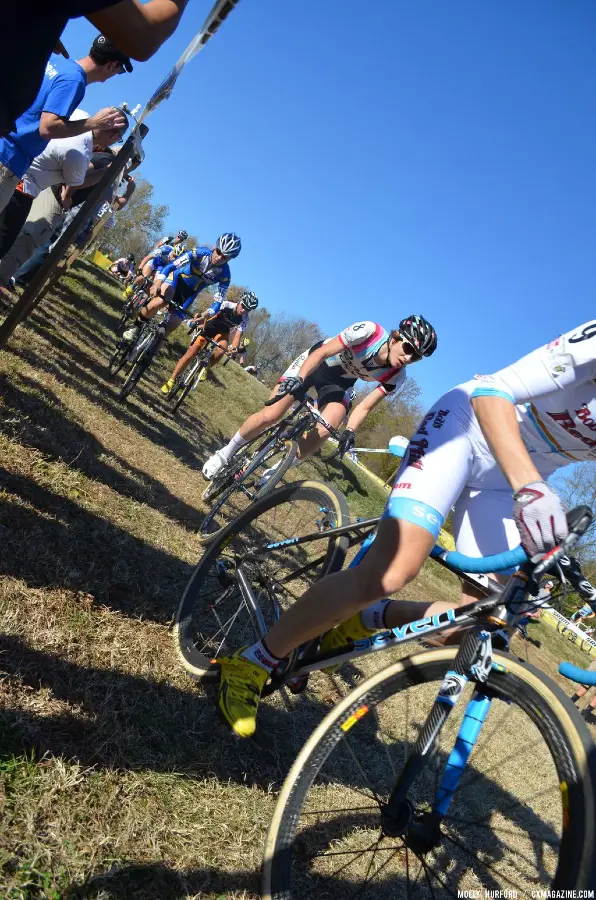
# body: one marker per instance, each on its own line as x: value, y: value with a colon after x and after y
x: 501, y: 608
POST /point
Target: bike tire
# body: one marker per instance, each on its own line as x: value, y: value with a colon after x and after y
x: 199, y: 664
x: 281, y: 470
x: 117, y: 360
x: 237, y: 483
x: 125, y: 315
x: 221, y: 481
x: 187, y: 385
x: 519, y: 684
x: 133, y: 378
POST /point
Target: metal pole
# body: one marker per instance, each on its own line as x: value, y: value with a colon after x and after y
x: 55, y: 266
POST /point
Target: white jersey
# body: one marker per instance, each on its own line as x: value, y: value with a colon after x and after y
x: 361, y: 342
x: 449, y: 461
x: 554, y: 390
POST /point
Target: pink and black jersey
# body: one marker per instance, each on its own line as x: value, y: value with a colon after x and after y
x: 361, y: 342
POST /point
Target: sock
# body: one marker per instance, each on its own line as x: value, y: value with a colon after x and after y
x: 235, y: 444
x: 574, y: 698
x: 259, y: 654
x: 373, y: 617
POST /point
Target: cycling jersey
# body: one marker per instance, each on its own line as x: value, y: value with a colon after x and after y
x: 224, y: 316
x: 553, y: 390
x: 123, y: 265
x: 192, y: 272
x: 160, y: 257
x: 361, y: 343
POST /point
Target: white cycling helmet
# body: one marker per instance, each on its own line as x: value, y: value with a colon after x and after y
x: 229, y: 244
x: 249, y: 301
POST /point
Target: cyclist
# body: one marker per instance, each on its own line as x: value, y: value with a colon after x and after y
x: 123, y: 267
x: 216, y: 323
x: 365, y: 350
x: 486, y: 447
x: 168, y: 239
x: 184, y: 278
x: 150, y: 266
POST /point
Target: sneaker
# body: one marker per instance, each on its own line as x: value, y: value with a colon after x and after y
x: 240, y: 685
x: 167, y: 387
x: 203, y: 375
x: 352, y: 630
x: 214, y: 465
x: 588, y: 715
x: 132, y: 333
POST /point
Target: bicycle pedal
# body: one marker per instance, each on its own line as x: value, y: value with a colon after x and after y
x: 297, y: 685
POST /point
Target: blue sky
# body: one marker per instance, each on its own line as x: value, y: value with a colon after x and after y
x: 433, y: 157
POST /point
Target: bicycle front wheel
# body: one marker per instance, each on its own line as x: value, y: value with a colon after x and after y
x: 213, y: 618
x: 248, y: 478
x: 521, y: 818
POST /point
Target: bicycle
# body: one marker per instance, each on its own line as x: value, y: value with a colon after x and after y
x: 140, y: 354
x: 190, y: 378
x: 275, y: 449
x: 133, y: 304
x: 414, y: 787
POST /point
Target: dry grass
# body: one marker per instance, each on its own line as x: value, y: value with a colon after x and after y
x: 116, y: 777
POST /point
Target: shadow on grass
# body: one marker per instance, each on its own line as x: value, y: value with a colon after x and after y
x: 51, y: 541
x: 130, y: 722
x: 157, y: 880
x: 40, y: 420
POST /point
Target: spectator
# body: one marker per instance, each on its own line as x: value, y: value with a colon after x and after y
x: 108, y: 201
x: 47, y: 210
x: 31, y: 32
x: 62, y: 89
x: 64, y: 161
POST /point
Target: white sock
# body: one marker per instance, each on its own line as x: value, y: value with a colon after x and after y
x: 260, y: 655
x: 373, y: 617
x: 235, y: 444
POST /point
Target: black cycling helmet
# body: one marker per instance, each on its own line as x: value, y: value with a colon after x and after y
x: 131, y: 257
x: 182, y: 235
x: 249, y: 300
x: 420, y: 334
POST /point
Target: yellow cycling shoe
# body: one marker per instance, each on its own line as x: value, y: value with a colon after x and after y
x: 351, y: 630
x: 167, y: 387
x: 127, y: 292
x: 240, y: 685
x: 203, y: 375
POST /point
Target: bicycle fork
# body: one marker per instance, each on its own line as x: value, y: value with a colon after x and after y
x: 421, y: 834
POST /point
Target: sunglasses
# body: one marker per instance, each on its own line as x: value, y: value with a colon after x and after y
x: 411, y: 350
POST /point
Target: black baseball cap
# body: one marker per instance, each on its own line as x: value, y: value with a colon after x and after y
x: 106, y: 51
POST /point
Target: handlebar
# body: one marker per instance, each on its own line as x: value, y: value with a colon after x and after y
x: 578, y: 521
x: 574, y: 673
x: 278, y: 397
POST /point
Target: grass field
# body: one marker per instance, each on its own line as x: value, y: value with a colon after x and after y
x: 117, y: 779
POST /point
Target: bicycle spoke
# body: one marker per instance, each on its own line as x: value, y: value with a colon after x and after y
x: 486, y: 865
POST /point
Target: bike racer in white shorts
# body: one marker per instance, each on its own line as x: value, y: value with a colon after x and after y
x: 485, y: 446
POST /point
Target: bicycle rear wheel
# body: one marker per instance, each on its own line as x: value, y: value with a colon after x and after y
x: 521, y: 818
x: 213, y: 619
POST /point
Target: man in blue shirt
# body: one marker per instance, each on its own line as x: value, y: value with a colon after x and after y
x: 61, y: 91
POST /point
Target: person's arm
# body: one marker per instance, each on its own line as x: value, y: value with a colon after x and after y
x: 139, y: 29
x: 498, y: 421
x: 314, y: 360
x: 53, y: 126
x: 362, y: 409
